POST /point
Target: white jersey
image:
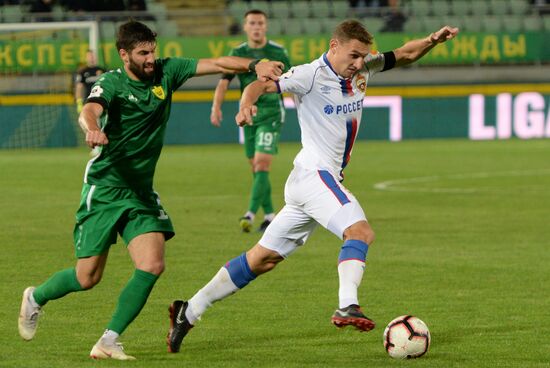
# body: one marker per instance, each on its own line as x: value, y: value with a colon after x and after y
x: 329, y: 111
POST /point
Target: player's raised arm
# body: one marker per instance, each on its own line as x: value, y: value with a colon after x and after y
x: 249, y: 97
x: 415, y: 49
x: 88, y: 120
x: 233, y: 64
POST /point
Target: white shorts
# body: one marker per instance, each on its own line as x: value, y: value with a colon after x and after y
x: 312, y: 197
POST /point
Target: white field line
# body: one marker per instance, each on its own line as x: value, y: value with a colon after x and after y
x: 404, y: 185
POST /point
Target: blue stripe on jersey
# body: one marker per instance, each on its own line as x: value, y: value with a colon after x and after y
x: 331, y: 184
x: 347, y: 89
x: 325, y: 59
x: 353, y: 249
x: 351, y: 127
x: 240, y: 271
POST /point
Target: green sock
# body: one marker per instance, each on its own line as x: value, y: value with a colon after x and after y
x: 131, y: 300
x: 60, y: 284
x: 267, y: 204
x: 261, y: 180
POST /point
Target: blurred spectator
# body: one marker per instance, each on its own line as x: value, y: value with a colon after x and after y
x: 41, y: 6
x: 111, y: 5
x: 395, y: 19
x: 137, y: 5
x: 368, y: 3
x: 543, y: 6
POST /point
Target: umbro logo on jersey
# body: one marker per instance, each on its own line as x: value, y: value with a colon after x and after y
x: 132, y: 98
x: 329, y: 109
x: 326, y: 90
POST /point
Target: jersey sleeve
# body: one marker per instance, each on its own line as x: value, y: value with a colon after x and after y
x: 104, y: 90
x: 180, y: 69
x: 298, y: 80
x: 285, y: 60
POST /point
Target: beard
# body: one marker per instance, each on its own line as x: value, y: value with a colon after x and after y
x: 140, y: 72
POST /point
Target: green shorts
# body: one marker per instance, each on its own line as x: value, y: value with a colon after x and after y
x: 261, y: 138
x: 105, y: 212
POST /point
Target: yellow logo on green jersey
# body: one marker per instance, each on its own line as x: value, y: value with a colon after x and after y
x: 159, y: 92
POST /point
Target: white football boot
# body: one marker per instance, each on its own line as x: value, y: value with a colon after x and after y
x: 28, y: 315
x: 109, y: 348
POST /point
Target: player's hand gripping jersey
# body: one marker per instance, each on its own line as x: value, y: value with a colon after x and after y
x: 329, y: 111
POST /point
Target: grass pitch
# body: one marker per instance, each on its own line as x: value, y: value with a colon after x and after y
x: 463, y: 239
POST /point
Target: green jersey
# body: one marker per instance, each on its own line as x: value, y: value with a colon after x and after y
x: 134, y: 120
x: 270, y: 106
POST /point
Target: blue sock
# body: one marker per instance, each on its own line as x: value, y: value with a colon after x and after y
x: 240, y: 271
x: 353, y: 249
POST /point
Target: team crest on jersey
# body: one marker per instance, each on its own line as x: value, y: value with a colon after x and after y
x: 361, y: 83
x: 159, y: 92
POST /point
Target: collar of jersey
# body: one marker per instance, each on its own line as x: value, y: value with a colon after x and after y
x: 325, y: 59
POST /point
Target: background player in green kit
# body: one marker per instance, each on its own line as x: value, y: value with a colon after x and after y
x: 260, y: 139
x: 126, y: 115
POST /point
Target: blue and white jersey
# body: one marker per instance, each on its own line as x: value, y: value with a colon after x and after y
x: 329, y: 111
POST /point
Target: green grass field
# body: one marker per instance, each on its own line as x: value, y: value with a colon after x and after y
x: 463, y: 239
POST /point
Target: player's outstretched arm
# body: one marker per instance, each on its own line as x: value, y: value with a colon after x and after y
x: 415, y: 49
x: 233, y: 64
x: 88, y: 120
x: 219, y: 95
x: 247, y: 109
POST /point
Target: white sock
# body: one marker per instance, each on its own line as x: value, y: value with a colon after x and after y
x: 350, y: 273
x: 218, y: 288
x: 110, y: 335
x: 33, y: 302
x: 269, y: 216
x: 250, y: 215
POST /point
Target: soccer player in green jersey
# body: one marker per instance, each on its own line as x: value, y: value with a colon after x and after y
x: 125, y: 115
x: 262, y: 137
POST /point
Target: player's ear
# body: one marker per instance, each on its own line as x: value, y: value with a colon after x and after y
x: 124, y: 55
x: 333, y: 44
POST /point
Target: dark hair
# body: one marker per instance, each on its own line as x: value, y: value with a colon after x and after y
x: 132, y: 33
x: 352, y: 30
x: 255, y: 11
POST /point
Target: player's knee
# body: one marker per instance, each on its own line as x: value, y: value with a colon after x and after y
x: 360, y: 231
x: 261, y: 166
x: 88, y: 281
x: 156, y: 267
x: 265, y: 264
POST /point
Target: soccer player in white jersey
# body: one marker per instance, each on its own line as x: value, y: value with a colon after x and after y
x: 328, y: 93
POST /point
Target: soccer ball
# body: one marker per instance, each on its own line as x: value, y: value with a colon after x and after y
x: 406, y: 337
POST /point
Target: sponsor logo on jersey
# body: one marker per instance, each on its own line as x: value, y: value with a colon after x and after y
x: 96, y: 91
x: 346, y: 108
x: 159, y: 92
x: 361, y: 83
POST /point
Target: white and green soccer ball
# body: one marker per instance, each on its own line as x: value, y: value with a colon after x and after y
x: 406, y: 337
